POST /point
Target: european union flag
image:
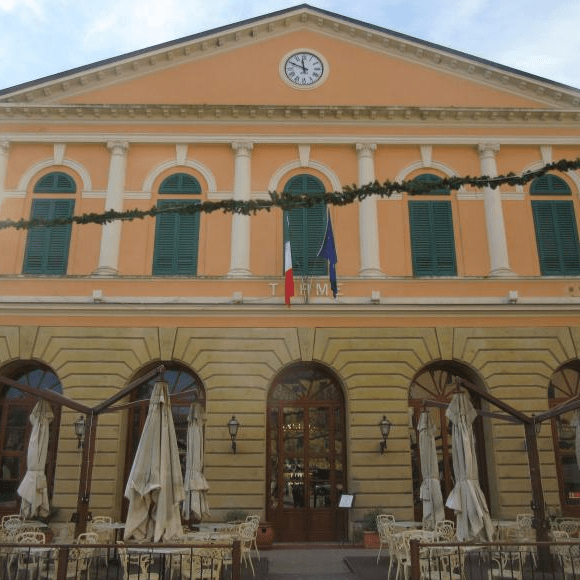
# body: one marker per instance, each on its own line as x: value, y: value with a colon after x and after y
x: 328, y: 251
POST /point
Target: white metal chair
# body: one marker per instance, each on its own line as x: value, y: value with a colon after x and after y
x: 80, y: 559
x: 135, y: 566
x: 27, y: 560
x: 255, y: 521
x: 445, y: 530
x: 246, y: 535
x: 386, y: 529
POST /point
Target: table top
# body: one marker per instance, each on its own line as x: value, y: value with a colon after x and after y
x: 32, y: 524
x: 109, y: 525
x: 408, y: 524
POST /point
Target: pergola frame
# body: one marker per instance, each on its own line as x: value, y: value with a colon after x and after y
x: 80, y: 517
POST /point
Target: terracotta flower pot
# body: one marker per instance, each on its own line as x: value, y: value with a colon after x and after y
x: 371, y: 539
x: 265, y: 536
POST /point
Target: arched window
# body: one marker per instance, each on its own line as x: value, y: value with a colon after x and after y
x: 177, y: 234
x: 185, y: 388
x: 437, y: 382
x: 565, y: 386
x: 306, y: 454
x: 47, y: 247
x: 307, y: 227
x: 15, y: 428
x: 555, y: 225
x: 431, y: 225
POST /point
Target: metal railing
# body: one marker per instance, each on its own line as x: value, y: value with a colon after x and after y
x: 494, y: 561
x: 145, y: 561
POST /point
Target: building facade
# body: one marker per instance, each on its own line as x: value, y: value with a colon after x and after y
x: 480, y: 283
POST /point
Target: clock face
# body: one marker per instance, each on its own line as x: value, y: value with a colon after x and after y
x: 303, y: 69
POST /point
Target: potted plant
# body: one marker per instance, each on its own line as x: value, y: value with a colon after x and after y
x: 370, y: 532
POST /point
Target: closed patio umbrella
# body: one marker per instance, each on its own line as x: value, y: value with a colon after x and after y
x: 473, y: 521
x: 430, y: 492
x: 33, y: 489
x: 195, y: 484
x: 155, y: 485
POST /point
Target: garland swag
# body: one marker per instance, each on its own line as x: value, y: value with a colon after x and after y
x: 286, y: 201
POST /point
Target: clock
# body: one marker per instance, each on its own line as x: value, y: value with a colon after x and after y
x: 303, y: 69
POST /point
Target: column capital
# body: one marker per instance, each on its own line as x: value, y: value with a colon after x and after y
x: 118, y: 147
x: 4, y: 146
x: 365, y: 149
x: 242, y: 147
x: 487, y: 149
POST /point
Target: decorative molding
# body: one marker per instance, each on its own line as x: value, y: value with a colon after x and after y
x: 275, y: 180
x: 319, y: 114
x: 304, y: 155
x: 31, y: 172
x: 59, y: 152
x: 196, y: 165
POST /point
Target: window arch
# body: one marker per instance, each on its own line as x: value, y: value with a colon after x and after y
x: 185, y: 388
x: 307, y: 227
x: 437, y: 382
x: 565, y: 386
x: 431, y: 227
x: 15, y: 428
x: 555, y: 226
x: 47, y: 247
x: 177, y: 234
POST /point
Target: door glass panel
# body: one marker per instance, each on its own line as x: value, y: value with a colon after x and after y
x: 293, y: 441
x: 274, y: 454
x: 319, y: 483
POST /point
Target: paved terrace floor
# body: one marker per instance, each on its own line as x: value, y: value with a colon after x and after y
x: 318, y: 562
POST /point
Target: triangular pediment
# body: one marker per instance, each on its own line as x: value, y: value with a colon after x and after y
x: 240, y: 66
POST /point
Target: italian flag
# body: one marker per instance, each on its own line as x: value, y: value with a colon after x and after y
x: 288, y: 276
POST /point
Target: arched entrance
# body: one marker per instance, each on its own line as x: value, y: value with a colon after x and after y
x: 306, y: 447
x: 565, y: 386
x: 437, y: 383
x: 15, y: 428
x: 185, y: 388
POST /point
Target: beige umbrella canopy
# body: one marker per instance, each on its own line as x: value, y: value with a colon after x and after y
x: 473, y: 521
x: 155, y: 485
x: 33, y: 489
x: 195, y: 483
x: 430, y: 492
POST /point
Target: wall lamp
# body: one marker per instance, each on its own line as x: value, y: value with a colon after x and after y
x: 233, y: 426
x: 80, y: 430
x: 385, y: 427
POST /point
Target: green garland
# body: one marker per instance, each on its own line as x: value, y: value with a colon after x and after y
x: 286, y: 201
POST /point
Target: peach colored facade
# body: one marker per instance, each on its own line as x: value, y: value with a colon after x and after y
x: 217, y: 107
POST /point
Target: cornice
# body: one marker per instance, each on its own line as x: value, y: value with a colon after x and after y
x: 566, y: 310
x: 388, y: 42
x: 281, y: 114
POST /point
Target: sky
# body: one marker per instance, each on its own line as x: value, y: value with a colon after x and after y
x: 44, y: 37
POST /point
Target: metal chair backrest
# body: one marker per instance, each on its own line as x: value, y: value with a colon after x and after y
x: 30, y: 538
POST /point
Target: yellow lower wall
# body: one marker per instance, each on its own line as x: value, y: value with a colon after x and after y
x: 237, y: 365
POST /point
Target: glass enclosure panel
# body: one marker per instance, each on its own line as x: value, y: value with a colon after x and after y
x: 570, y: 474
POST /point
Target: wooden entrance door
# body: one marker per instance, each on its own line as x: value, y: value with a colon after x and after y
x: 306, y: 456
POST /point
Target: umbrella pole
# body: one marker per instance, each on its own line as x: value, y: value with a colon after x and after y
x: 86, y: 475
x: 539, y: 522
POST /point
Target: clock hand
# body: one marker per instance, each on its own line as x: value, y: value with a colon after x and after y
x: 300, y: 65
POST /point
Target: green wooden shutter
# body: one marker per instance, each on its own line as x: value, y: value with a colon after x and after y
x: 307, y: 228
x: 430, y: 179
x: 180, y: 183
x: 549, y: 184
x: 47, y: 247
x: 432, y: 239
x: 176, y: 241
x: 556, y: 237
x: 56, y: 182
